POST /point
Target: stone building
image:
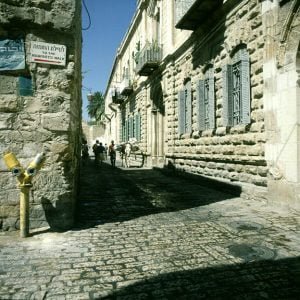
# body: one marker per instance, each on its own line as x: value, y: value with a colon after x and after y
x: 92, y: 131
x: 40, y: 106
x: 212, y: 88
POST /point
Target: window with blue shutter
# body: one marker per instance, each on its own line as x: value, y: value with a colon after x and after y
x: 138, y: 127
x: 130, y: 127
x: 123, y: 125
x: 25, y: 86
x: 133, y: 127
x: 201, y: 105
x: 188, y: 107
x: 245, y: 88
x: 185, y: 109
x: 227, y: 96
x: 236, y: 90
x: 206, y: 101
x: 181, y: 112
x: 126, y: 130
x: 211, y: 110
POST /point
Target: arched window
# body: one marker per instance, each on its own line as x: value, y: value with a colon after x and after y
x: 236, y: 89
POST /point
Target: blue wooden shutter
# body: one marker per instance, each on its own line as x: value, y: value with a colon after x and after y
x: 126, y: 130
x: 25, y: 86
x: 131, y: 127
x: 211, y: 97
x: 181, y: 112
x: 200, y: 105
x: 123, y: 132
x: 138, y: 126
x: 188, y: 107
x: 120, y: 129
x: 135, y: 126
x: 245, y: 89
x: 227, y: 96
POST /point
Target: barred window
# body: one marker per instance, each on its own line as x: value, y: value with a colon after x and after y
x: 185, y: 109
x: 137, y: 124
x: 206, y: 101
x: 236, y: 90
x: 123, y: 126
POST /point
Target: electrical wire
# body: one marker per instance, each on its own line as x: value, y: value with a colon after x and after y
x: 87, y: 11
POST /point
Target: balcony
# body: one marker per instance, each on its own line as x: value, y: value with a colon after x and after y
x: 190, y: 14
x: 116, y: 96
x: 126, y: 87
x: 148, y: 59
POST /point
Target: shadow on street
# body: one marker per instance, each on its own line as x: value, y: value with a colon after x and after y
x: 116, y: 194
x: 277, y: 279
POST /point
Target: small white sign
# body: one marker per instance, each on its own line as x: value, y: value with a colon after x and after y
x: 45, y: 53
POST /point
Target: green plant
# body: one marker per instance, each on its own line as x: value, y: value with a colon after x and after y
x: 96, y: 106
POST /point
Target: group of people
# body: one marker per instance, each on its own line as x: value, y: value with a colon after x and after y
x: 100, y: 152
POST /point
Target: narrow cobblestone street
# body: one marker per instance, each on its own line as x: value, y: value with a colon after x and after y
x: 143, y: 235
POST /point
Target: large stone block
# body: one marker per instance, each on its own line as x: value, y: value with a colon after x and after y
x: 56, y: 121
x: 6, y: 120
x: 9, y: 103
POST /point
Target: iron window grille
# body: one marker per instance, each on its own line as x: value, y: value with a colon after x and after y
x: 185, y: 109
x: 206, y: 101
x: 236, y: 90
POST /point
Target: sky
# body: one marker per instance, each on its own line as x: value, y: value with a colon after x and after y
x: 110, y: 20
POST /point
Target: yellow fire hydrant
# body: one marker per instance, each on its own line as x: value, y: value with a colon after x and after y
x: 24, y: 177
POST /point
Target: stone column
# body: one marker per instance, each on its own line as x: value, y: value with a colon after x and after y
x: 281, y: 110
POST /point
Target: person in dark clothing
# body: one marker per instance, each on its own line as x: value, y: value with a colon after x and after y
x: 112, y: 153
x: 84, y: 149
x: 96, y: 151
x: 101, y: 150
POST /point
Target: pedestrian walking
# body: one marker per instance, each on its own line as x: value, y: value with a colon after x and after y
x: 96, y: 151
x: 101, y: 151
x: 122, y: 152
x: 128, y: 149
x: 112, y: 153
x: 105, y: 152
x: 84, y: 149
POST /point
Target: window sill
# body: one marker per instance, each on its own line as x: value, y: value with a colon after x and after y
x: 208, y: 132
x: 185, y: 136
x: 241, y: 128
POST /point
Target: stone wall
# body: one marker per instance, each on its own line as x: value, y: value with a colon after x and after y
x: 232, y: 154
x: 281, y: 100
x: 47, y: 119
x: 258, y: 156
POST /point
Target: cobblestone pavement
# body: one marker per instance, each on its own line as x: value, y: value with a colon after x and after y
x: 142, y: 235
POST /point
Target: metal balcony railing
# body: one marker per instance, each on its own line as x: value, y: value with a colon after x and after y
x: 189, y: 14
x: 116, y: 96
x: 148, y: 59
x: 126, y: 87
x: 181, y: 8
